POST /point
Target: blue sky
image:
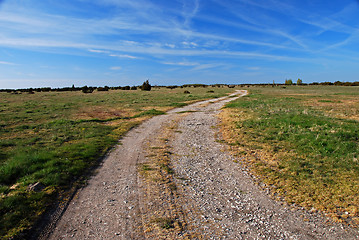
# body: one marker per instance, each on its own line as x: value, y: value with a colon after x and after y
x: 124, y: 42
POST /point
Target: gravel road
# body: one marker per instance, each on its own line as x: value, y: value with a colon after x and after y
x: 217, y: 195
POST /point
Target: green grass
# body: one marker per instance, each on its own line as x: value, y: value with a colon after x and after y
x: 309, y: 143
x: 55, y: 138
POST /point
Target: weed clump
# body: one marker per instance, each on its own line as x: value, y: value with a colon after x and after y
x: 165, y: 223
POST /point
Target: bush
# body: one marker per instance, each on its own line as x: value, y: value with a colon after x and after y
x: 103, y: 89
x: 146, y: 86
x: 187, y: 92
x: 86, y: 89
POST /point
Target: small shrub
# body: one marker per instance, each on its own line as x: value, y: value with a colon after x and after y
x: 186, y: 92
x: 146, y: 86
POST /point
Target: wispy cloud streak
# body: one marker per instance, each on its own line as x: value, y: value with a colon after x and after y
x: 7, y: 63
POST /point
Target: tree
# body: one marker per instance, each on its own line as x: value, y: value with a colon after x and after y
x: 146, y: 86
x: 299, y: 81
x: 288, y: 82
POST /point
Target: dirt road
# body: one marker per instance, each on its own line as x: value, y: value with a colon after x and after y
x: 213, y: 196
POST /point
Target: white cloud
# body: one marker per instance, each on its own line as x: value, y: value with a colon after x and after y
x: 36, y: 29
x: 7, y: 63
x: 123, y: 56
x: 253, y: 68
x: 190, y: 9
x: 170, y: 45
x: 114, y: 55
x: 51, y: 28
x: 116, y: 68
x: 189, y: 44
x: 207, y: 66
x: 144, y: 50
x: 97, y: 51
x: 181, y: 63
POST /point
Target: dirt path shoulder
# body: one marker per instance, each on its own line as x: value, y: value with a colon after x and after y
x: 171, y: 179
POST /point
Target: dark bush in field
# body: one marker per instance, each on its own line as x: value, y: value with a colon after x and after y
x: 86, y: 89
x: 146, y: 86
x: 103, y: 89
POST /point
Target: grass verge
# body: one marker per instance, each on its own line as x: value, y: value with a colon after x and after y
x: 303, y: 143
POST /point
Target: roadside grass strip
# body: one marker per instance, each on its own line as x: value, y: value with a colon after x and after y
x: 304, y: 152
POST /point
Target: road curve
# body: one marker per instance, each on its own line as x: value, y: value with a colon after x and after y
x: 218, y: 198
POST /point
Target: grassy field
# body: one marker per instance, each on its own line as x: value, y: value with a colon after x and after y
x: 55, y: 137
x: 303, y: 142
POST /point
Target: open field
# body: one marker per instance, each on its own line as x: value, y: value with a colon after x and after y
x: 55, y: 137
x: 303, y: 142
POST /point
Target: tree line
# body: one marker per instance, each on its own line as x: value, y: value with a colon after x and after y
x: 336, y: 83
x: 146, y: 86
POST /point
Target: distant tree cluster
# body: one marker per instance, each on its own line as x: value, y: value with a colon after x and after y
x: 84, y: 89
x: 288, y: 82
x: 146, y: 86
x: 337, y: 83
x: 200, y: 85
